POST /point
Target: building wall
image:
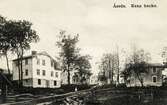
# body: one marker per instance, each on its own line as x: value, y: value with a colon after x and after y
x: 64, y: 79
x: 48, y: 69
x: 148, y: 78
x: 31, y: 77
x: 27, y: 67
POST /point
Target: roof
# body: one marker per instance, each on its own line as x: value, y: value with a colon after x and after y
x: 155, y: 65
x: 35, y: 55
x: 25, y: 57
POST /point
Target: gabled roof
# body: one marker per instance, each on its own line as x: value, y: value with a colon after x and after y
x: 40, y: 53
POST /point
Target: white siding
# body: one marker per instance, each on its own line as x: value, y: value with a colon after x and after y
x: 32, y: 78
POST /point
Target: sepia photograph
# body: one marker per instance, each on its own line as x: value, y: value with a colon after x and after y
x: 83, y: 52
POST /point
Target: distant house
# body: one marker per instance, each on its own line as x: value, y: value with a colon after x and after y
x: 73, y: 77
x: 152, y: 77
x: 94, y: 79
x: 40, y: 70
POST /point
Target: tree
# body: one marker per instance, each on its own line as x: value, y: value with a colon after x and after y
x: 4, y: 41
x: 164, y: 55
x: 109, y: 65
x: 136, y: 65
x: 83, y: 66
x: 69, y: 52
x: 21, y: 35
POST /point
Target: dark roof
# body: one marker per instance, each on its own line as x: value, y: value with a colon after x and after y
x: 25, y: 57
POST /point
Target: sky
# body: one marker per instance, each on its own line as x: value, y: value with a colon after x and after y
x: 100, y: 26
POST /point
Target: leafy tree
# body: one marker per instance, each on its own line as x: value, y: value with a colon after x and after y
x: 69, y: 52
x: 4, y: 41
x: 21, y: 35
x: 83, y: 67
x: 136, y: 65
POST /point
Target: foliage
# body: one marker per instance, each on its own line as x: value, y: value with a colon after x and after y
x: 4, y: 41
x: 16, y: 37
x: 164, y: 55
x: 72, y: 59
x: 69, y: 52
x: 83, y: 67
x: 109, y: 63
x: 138, y: 63
x: 102, y: 78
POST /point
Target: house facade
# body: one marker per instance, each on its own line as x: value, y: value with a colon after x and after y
x: 75, y: 78
x: 152, y: 77
x: 40, y: 70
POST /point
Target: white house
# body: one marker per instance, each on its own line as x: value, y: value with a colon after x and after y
x: 40, y: 70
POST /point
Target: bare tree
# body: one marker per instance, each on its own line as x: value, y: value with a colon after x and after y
x: 109, y: 65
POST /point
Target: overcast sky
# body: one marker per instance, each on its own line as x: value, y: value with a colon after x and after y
x: 99, y: 24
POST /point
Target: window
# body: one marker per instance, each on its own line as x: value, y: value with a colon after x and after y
x: 56, y: 74
x: 43, y: 72
x: 55, y: 83
x: 154, y: 70
x: 51, y: 73
x: 43, y: 62
x: 38, y: 72
x: 26, y: 80
x: 38, y: 61
x: 52, y: 63
x: 16, y: 62
x: 154, y: 79
x: 39, y: 82
x: 26, y: 72
x: 26, y: 61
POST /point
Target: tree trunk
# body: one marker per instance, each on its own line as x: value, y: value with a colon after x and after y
x: 21, y: 57
x: 140, y: 80
x: 21, y: 70
x: 7, y: 62
x: 68, y: 74
x: 18, y: 61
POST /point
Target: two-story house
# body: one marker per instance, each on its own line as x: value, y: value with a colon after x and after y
x: 152, y: 77
x: 40, y: 70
